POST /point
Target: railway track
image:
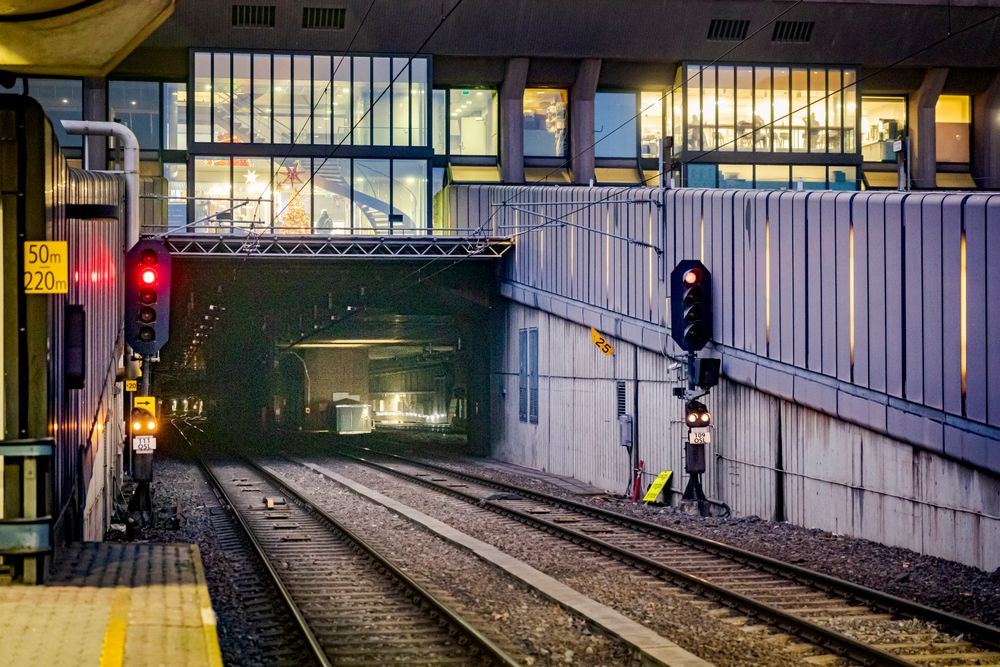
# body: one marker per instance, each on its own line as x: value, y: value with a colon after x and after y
x: 862, y: 624
x: 353, y: 605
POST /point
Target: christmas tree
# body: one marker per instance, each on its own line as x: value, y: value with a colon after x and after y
x: 295, y: 219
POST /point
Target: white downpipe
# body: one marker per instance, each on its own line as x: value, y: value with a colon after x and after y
x: 131, y: 151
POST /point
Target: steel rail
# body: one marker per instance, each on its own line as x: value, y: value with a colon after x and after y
x: 817, y: 634
x: 485, y: 645
x: 987, y: 634
x: 293, y: 608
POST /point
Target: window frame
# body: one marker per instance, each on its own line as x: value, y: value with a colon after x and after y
x: 636, y: 117
x: 310, y: 149
x: 687, y: 81
x: 546, y: 160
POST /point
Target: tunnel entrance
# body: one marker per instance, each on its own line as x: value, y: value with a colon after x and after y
x: 277, y: 346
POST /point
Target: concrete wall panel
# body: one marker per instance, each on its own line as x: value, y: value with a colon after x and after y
x: 831, y: 474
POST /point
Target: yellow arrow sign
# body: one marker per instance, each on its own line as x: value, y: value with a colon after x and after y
x: 598, y: 339
x: 147, y: 403
x: 657, y: 486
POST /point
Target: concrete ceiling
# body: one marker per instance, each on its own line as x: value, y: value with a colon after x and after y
x: 75, y: 37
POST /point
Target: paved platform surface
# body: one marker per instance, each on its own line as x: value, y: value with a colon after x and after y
x: 112, y: 604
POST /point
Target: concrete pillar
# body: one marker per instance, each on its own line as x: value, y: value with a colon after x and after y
x: 581, y: 120
x: 95, y: 107
x: 986, y: 135
x: 512, y: 121
x: 922, y: 131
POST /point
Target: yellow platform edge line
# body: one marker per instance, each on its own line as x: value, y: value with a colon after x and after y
x: 113, y: 647
x: 208, y: 627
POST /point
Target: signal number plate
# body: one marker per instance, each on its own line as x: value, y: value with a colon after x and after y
x: 144, y: 444
x: 699, y: 436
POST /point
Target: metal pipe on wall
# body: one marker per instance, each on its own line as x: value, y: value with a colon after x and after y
x: 131, y: 167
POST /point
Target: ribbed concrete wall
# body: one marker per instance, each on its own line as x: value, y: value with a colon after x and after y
x: 848, y: 303
x: 832, y: 474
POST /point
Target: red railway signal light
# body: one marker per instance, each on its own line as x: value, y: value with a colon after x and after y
x: 147, y: 297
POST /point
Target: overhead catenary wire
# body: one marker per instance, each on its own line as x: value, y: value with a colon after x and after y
x: 371, y: 106
x: 326, y: 89
x: 618, y: 191
x: 736, y: 138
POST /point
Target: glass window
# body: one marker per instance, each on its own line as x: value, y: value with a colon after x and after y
x: 835, y: 111
x: 744, y: 109
x: 400, y: 102
x: 694, y: 135
x: 302, y: 99
x: 813, y: 177
x: 762, y: 109
x: 781, y: 131
x: 473, y: 122
x: 202, y: 97
x: 440, y: 207
x: 615, y: 125
x: 546, y: 122
x: 322, y: 122
x: 212, y: 190
x: 678, y: 113
x: 736, y: 176
x: 175, y: 116
x: 418, y: 102
x: 883, y: 120
x: 62, y: 99
x: 800, y: 109
x: 439, y: 116
x: 281, y: 99
x: 409, y: 195
x: 709, y: 135
x: 362, y: 102
x: 850, y: 78
x: 701, y: 175
x: 137, y: 105
x: 242, y: 98
x: 817, y: 111
x: 953, y: 118
x: 372, y: 192
x: 332, y: 196
x: 176, y: 177
x: 725, y: 104
x: 381, y: 98
x: 666, y: 101
x: 292, y: 196
x: 342, y: 100
x: 252, y: 192
x: 843, y: 178
x: 222, y: 96
x: 771, y: 176
x: 261, y: 98
x: 651, y: 114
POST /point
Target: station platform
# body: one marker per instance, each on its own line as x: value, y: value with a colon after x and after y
x: 112, y: 604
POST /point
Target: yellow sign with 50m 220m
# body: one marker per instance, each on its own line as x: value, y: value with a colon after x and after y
x: 46, y: 267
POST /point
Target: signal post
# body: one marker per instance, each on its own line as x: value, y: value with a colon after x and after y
x: 691, y: 329
x: 147, y: 328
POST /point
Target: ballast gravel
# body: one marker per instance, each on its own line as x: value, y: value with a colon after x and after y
x: 928, y: 580
x: 686, y: 619
x: 253, y: 627
x: 534, y: 629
